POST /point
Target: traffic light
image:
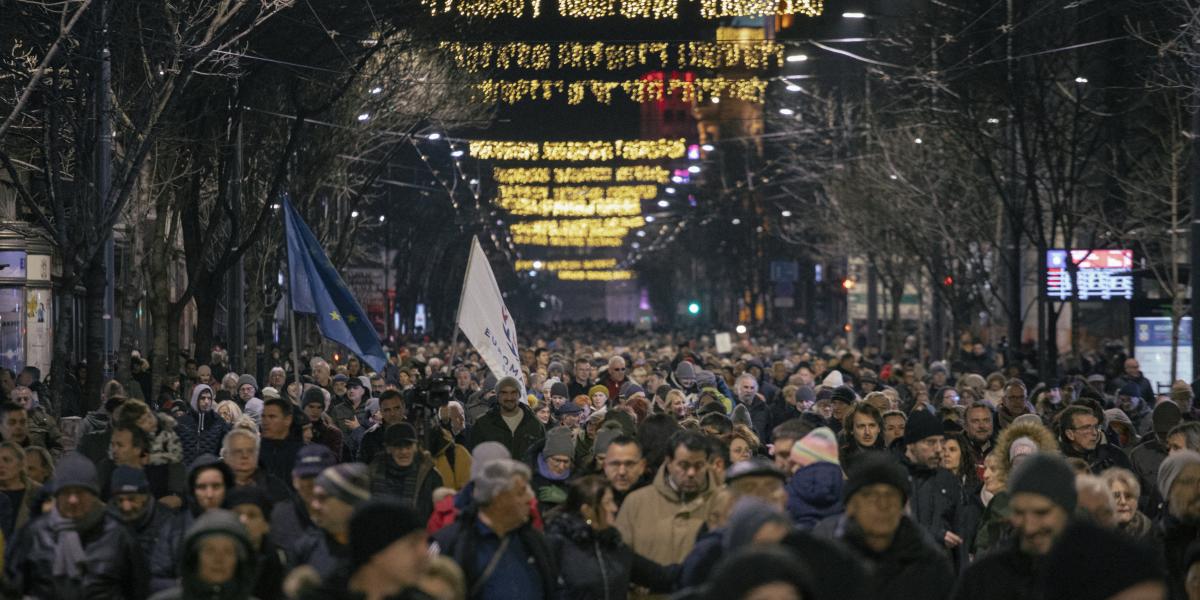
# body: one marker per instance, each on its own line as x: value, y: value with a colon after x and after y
x: 848, y: 284
x: 693, y: 308
x: 948, y: 281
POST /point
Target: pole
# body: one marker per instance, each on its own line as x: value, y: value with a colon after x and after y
x: 295, y: 338
x: 236, y: 302
x: 1195, y: 241
x: 462, y: 294
x: 104, y: 183
x: 872, y: 306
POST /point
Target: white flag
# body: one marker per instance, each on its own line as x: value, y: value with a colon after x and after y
x: 484, y: 319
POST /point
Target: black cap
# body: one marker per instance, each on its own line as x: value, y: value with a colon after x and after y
x: 873, y: 468
x: 843, y: 393
x: 400, y: 434
x: 755, y: 467
x: 354, y: 382
x: 376, y: 524
x: 922, y: 424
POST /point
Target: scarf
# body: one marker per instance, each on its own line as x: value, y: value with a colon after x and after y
x: 69, y: 551
x: 544, y: 470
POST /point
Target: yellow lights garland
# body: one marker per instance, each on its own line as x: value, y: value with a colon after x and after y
x: 579, y: 151
x: 570, y: 208
x: 490, y: 91
x: 531, y: 175
x: 578, y: 193
x: 567, y: 265
x: 582, y: 275
x: 638, y: 9
x: 567, y: 242
x: 613, y: 227
x: 486, y: 56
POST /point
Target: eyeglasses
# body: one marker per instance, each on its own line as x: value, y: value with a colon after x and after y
x: 1087, y: 428
x: 559, y: 461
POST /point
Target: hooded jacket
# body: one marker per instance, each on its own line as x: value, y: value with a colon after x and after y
x: 164, y: 567
x: 597, y: 565
x: 815, y: 493
x: 214, y: 522
x: 1041, y: 436
x: 200, y: 432
x: 912, y: 567
x: 661, y: 525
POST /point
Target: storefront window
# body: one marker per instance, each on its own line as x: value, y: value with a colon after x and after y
x: 12, y: 347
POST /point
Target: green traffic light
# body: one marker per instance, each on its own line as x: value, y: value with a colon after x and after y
x: 694, y: 308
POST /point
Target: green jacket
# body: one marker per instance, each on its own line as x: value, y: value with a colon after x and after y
x: 492, y: 428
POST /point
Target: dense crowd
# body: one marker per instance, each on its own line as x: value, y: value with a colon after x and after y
x: 618, y: 466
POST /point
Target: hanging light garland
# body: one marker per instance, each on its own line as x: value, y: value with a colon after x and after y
x: 576, y: 193
x: 595, y: 56
x: 578, y: 151
x: 643, y: 173
x: 611, y: 227
x: 633, y: 9
x: 589, y: 275
x: 527, y: 207
x: 566, y: 241
x: 490, y: 91
x: 567, y: 265
x: 534, y: 175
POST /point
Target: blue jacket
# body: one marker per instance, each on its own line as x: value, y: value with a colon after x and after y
x: 814, y: 493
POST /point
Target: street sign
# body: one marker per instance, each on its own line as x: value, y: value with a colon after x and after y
x: 1152, y: 348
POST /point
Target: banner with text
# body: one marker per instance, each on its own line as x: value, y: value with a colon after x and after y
x: 484, y: 319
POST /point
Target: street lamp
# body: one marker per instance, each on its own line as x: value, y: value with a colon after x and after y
x: 795, y: 58
x: 787, y: 112
x: 854, y: 15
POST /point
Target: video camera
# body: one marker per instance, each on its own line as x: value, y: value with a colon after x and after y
x: 431, y: 392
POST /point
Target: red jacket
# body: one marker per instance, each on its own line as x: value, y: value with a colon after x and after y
x: 447, y: 509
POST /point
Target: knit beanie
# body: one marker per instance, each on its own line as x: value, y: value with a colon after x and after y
x: 820, y: 445
x: 128, y: 480
x: 485, y: 453
x: 559, y: 442
x: 313, y: 395
x: 74, y: 470
x: 843, y: 393
x: 597, y: 389
x: 377, y: 524
x: 748, y: 516
x: 922, y: 424
x: 1047, y: 475
x: 604, y: 437
x: 1021, y: 447
x: 685, y: 370
x: 348, y: 482
x: 877, y: 467
x: 249, y: 494
x: 509, y: 382
x: 1081, y: 548
x: 1172, y: 467
x: 1165, y: 416
x: 630, y: 388
x: 805, y: 393
x: 559, y: 389
x: 706, y: 378
x: 248, y: 379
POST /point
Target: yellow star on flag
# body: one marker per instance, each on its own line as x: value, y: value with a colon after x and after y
x: 351, y: 318
x: 335, y: 316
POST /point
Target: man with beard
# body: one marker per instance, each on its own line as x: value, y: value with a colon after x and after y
x: 133, y: 504
x: 509, y: 422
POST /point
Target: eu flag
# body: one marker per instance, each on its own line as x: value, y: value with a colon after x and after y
x: 316, y: 289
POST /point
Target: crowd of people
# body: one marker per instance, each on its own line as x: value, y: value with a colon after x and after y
x: 619, y: 465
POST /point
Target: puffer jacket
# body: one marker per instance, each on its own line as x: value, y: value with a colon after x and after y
x: 597, y: 565
x: 200, y: 432
x: 165, y: 447
x: 815, y: 493
x: 215, y: 522
x: 113, y: 568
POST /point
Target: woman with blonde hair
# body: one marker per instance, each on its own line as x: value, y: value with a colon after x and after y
x: 1126, y: 490
x: 230, y: 411
x: 15, y: 484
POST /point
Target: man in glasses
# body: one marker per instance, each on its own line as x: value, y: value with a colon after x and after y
x: 1080, y: 431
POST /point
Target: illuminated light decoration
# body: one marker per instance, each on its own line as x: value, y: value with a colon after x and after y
x: 583, y: 175
x: 586, y: 275
x: 577, y: 193
x: 642, y: 173
x: 650, y: 9
x: 610, y: 227
x: 579, y: 151
x: 567, y: 242
x: 1099, y: 274
x: 487, y: 9
x: 568, y: 265
x: 714, y: 9
x: 749, y: 89
x: 634, y: 9
x: 564, y: 208
x: 520, y: 175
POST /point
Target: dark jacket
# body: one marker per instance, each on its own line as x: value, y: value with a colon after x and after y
x: 936, y: 496
x: 320, y: 551
x: 461, y: 540
x: 114, y: 567
x: 815, y: 493
x: 201, y: 433
x: 164, y: 563
x: 492, y: 428
x: 1103, y: 457
x: 912, y: 567
x: 370, y: 444
x: 1173, y: 537
x: 289, y: 522
x: 1004, y: 574
x: 240, y: 587
x: 278, y: 457
x: 146, y: 527
x: 597, y: 565
x: 412, y: 486
x: 1146, y: 458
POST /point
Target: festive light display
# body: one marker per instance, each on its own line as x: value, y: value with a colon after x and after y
x: 566, y: 242
x: 634, y: 9
x: 521, y: 176
x: 567, y: 265
x: 750, y: 89
x: 532, y: 175
x: 642, y: 173
x: 579, y: 151
x: 567, y: 208
x: 586, y: 275
x: 611, y: 227
x: 488, y: 56
x: 576, y: 193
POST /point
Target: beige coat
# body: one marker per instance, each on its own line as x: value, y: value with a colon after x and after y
x: 658, y: 525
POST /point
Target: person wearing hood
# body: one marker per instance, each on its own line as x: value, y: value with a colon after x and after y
x: 209, y: 480
x: 1130, y: 401
x: 552, y: 467
x: 217, y: 562
x: 201, y: 430
x: 404, y: 472
x: 509, y: 422
x: 660, y: 521
x: 595, y: 564
x: 336, y: 492
x: 814, y: 490
x: 684, y: 378
x: 134, y: 505
x: 252, y: 507
x: 78, y: 550
x: 1126, y: 435
x: 903, y: 561
x: 1044, y: 499
x: 1080, y: 431
x: 1149, y: 454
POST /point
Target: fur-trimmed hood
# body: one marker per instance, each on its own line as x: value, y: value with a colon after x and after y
x: 1042, y: 436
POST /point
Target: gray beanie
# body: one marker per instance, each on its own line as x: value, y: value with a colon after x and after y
x: 685, y: 370
x: 248, y: 378
x: 1172, y: 467
x: 508, y: 382
x: 748, y: 516
x: 604, y: 437
x: 485, y: 453
x: 1046, y: 475
x: 706, y: 378
x: 559, y: 442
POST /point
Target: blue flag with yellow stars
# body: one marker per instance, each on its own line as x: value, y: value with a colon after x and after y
x: 316, y: 289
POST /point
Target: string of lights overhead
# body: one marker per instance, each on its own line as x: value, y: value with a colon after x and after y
x: 631, y: 9
x: 562, y: 208
x: 577, y: 193
x: 589, y: 151
x: 534, y: 175
x: 567, y: 265
x: 749, y: 89
x: 488, y: 56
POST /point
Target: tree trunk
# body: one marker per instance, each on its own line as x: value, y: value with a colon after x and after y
x: 94, y: 342
x: 206, y: 310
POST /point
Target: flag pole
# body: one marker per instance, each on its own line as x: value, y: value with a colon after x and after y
x: 461, y: 296
x: 292, y: 325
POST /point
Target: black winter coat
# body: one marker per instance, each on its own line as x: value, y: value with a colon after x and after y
x: 912, y: 567
x: 597, y: 565
x: 201, y: 433
x: 459, y: 540
x: 1103, y: 457
x: 114, y: 568
x: 147, y: 527
x: 412, y: 486
x: 1004, y: 574
x: 1173, y: 537
x: 492, y: 428
x: 935, y: 500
